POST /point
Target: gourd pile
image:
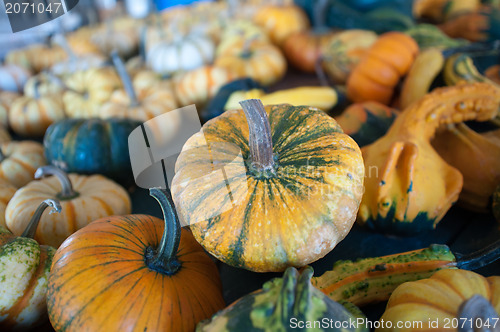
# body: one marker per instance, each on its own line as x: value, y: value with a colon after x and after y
x: 398, y: 123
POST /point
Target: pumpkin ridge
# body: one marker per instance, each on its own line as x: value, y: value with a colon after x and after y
x: 68, y: 323
x: 131, y: 304
x: 121, y: 236
x: 129, y: 231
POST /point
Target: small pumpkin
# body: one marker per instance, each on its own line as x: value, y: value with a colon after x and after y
x: 43, y: 56
x: 6, y: 99
x: 281, y: 20
x: 110, y: 36
x: 260, y: 61
x: 19, y: 161
x: 472, y: 26
x: 144, y: 106
x: 284, y: 304
x: 24, y: 273
x: 344, y: 51
x: 477, y: 157
x: 366, y: 122
x: 237, y: 30
x: 409, y: 187
x: 13, y: 78
x: 182, y: 54
x: 134, y: 273
x: 31, y: 116
x: 493, y: 73
x: 377, y: 74
x: 267, y: 216
x: 442, y: 297
x: 200, y: 85
x: 7, y: 190
x: 43, y: 84
x: 91, y: 146
x: 83, y: 199
x: 89, y: 90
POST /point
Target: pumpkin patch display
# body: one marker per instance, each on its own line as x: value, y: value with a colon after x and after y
x: 386, y: 62
x: 279, y: 159
x: 83, y: 199
x: 445, y: 296
x: 19, y: 161
x: 278, y: 303
x: 24, y: 273
x: 91, y: 146
x: 134, y: 273
x: 258, y: 60
x: 402, y: 197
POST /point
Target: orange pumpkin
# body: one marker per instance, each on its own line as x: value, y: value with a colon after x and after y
x: 6, y: 99
x: 258, y: 60
x: 133, y: 273
x: 471, y: 26
x: 19, y: 161
x: 279, y: 21
x: 375, y: 77
x: 7, y: 190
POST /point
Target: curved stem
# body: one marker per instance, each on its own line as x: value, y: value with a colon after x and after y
x: 164, y: 258
x: 477, y: 307
x: 479, y: 258
x: 60, y: 40
x: 260, y: 139
x: 482, y: 48
x: 125, y: 78
x: 319, y: 15
x: 30, y: 230
x: 67, y: 191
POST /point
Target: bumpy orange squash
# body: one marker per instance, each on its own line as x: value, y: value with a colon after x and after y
x: 477, y: 157
x: 409, y: 187
x: 267, y: 188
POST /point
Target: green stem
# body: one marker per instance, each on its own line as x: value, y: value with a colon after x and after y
x: 164, y: 258
x: 67, y: 191
x: 30, y: 230
x: 125, y: 78
x: 260, y: 139
x: 476, y: 309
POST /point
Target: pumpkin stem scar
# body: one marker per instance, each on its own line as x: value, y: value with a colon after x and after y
x: 67, y: 191
x: 473, y: 309
x: 164, y: 258
x: 125, y: 78
x: 30, y: 230
x: 260, y: 139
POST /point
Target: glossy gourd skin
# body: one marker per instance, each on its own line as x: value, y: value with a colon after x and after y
x: 105, y: 277
x: 439, y: 298
x: 289, y: 214
x: 410, y: 186
x: 90, y: 146
x: 277, y: 304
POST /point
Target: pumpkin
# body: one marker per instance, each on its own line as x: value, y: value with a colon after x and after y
x: 7, y: 190
x: 303, y: 48
x: 133, y: 273
x: 19, y: 57
x: 199, y: 85
x: 80, y: 42
x: 260, y: 61
x: 146, y: 105
x: 441, y: 299
x: 471, y: 26
x: 6, y: 99
x: 31, y: 116
x: 237, y: 30
x: 19, y: 161
x: 377, y: 74
x: 24, y: 272
x: 279, y: 21
x: 91, y: 146
x: 366, y: 122
x: 264, y: 214
x: 409, y: 187
x: 4, y: 135
x: 440, y: 10
x: 44, y: 56
x: 83, y: 199
x: 284, y: 304
x: 477, y: 157
x: 88, y: 90
x: 13, y: 78
x: 496, y: 203
x: 344, y: 51
x: 43, y: 84
x: 182, y: 54
x: 493, y: 73
x: 109, y: 36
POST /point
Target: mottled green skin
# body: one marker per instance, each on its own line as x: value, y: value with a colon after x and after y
x: 279, y: 301
x: 390, y: 225
x: 90, y: 146
x: 429, y: 35
x: 373, y: 128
